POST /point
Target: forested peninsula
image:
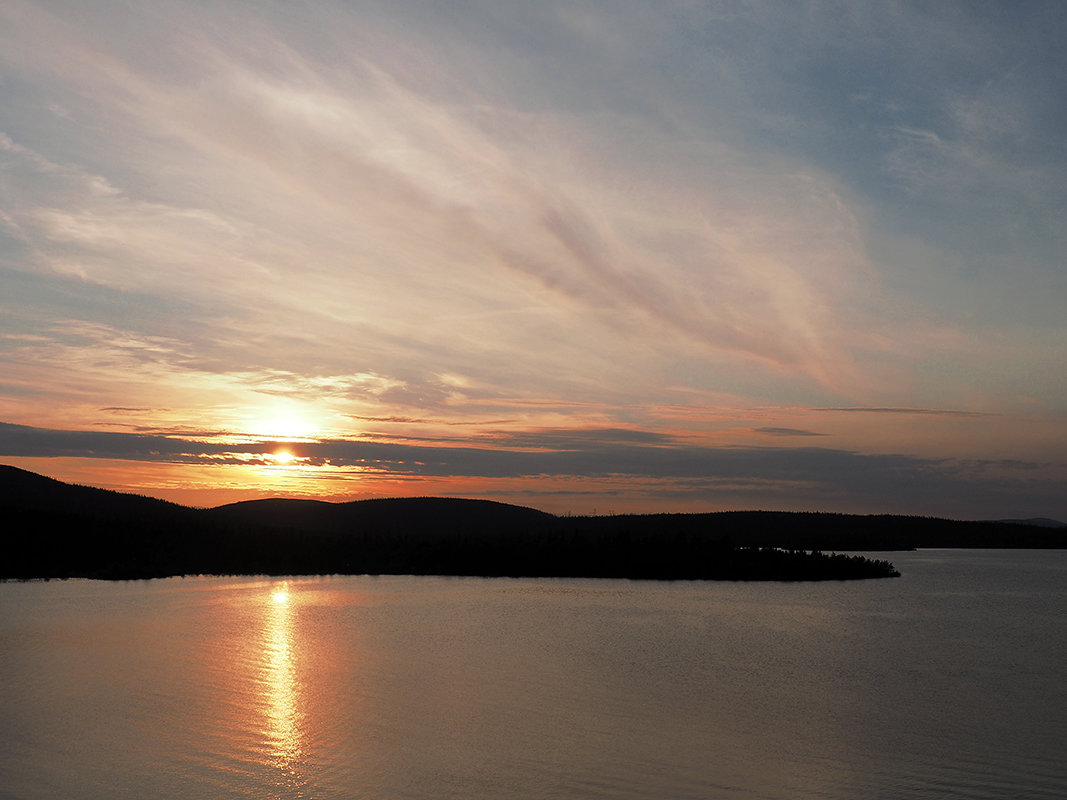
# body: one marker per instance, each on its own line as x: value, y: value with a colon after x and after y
x: 58, y: 530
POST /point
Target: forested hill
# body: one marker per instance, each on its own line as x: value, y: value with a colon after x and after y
x: 53, y: 529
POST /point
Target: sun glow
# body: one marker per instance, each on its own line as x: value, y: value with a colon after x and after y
x: 290, y: 428
x: 282, y: 457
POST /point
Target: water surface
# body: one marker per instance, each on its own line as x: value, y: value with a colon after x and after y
x: 947, y: 682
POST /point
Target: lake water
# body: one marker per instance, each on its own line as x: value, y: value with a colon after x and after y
x: 950, y: 682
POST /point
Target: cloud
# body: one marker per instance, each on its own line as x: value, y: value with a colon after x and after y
x: 939, y: 412
x: 28, y: 442
x: 800, y: 478
x: 537, y: 224
x: 465, y: 187
x: 771, y: 431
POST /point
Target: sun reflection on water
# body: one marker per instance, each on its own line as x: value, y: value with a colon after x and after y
x: 281, y: 691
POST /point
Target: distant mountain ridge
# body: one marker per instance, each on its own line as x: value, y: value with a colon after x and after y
x: 1041, y: 522
x: 54, y: 529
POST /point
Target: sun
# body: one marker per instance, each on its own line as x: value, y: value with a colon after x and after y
x: 282, y: 458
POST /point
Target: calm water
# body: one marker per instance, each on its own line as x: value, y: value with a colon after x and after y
x: 946, y: 683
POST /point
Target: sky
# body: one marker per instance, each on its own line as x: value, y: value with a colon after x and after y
x: 590, y: 257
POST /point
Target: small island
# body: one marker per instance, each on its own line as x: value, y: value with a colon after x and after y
x: 58, y: 530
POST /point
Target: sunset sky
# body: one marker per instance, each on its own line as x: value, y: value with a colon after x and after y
x: 583, y: 256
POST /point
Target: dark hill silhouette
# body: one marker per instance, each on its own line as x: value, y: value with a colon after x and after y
x: 827, y: 531
x: 397, y: 514
x: 54, y: 529
x: 21, y: 489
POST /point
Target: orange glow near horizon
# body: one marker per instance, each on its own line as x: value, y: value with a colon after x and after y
x: 210, y: 485
x: 267, y: 468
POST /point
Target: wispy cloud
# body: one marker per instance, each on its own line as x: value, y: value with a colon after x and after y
x: 484, y: 186
x: 946, y: 412
x: 771, y: 431
x: 399, y: 223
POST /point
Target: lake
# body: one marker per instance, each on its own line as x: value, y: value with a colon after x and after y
x: 950, y: 682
